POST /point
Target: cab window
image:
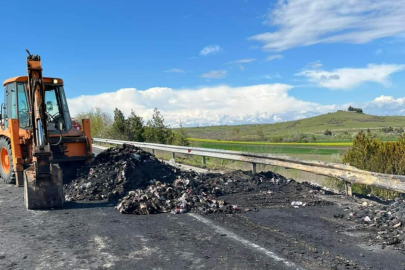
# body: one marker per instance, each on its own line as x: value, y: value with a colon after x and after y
x: 10, y: 100
x: 23, y: 111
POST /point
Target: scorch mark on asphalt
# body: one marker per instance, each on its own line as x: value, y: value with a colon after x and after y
x: 243, y: 241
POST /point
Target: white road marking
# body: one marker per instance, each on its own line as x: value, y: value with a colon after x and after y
x: 101, y: 246
x: 247, y: 243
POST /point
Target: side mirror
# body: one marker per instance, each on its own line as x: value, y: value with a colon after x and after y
x: 49, y: 106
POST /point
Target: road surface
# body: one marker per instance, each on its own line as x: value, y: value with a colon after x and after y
x: 86, y: 235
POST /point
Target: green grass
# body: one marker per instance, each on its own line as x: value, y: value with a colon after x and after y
x: 307, y: 152
x: 338, y: 122
x: 323, y: 143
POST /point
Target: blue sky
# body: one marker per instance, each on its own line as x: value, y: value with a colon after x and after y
x: 204, y: 62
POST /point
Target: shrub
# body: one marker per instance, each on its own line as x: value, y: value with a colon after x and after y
x: 181, y: 137
x: 327, y: 133
x: 377, y: 156
x: 260, y: 134
x: 387, y: 129
x: 277, y: 139
x: 313, y: 138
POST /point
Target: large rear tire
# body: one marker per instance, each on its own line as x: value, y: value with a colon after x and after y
x: 6, y: 162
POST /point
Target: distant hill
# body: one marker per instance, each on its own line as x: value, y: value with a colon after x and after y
x: 337, y: 122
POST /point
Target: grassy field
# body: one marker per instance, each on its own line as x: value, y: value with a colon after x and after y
x: 342, y: 124
x: 323, y: 143
x: 304, y: 139
x: 321, y: 152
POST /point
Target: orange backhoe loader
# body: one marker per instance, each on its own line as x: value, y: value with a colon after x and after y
x: 36, y: 134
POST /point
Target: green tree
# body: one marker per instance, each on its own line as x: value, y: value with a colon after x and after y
x: 235, y: 133
x: 134, y: 128
x: 100, y: 122
x: 313, y: 138
x: 260, y: 134
x: 119, y: 125
x: 182, y: 137
x: 156, y: 131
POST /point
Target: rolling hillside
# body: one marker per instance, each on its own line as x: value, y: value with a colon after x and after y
x: 337, y: 122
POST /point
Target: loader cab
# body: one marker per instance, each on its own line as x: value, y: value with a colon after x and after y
x: 16, y: 106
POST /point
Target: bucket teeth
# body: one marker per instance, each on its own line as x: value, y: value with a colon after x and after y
x: 44, y: 192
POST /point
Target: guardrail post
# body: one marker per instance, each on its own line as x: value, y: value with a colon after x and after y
x: 153, y: 151
x: 173, y: 155
x: 253, y: 167
x: 348, y: 189
x: 204, y: 163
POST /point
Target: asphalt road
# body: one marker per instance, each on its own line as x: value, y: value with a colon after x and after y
x: 95, y: 236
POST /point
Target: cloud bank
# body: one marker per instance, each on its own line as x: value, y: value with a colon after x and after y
x: 204, y: 106
x: 221, y: 105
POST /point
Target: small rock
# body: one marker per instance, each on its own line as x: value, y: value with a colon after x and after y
x: 397, y: 225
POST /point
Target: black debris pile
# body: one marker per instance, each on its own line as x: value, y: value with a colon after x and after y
x: 115, y: 172
x: 182, y: 196
x: 144, y: 185
x: 217, y: 193
x: 386, y: 222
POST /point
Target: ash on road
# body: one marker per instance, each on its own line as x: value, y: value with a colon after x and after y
x: 267, y: 231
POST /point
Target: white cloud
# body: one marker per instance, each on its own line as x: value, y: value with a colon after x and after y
x: 274, y: 57
x: 385, y: 105
x: 205, y: 106
x: 308, y: 22
x: 214, y: 74
x: 174, y: 70
x: 348, y: 78
x: 211, y: 49
x: 242, y: 61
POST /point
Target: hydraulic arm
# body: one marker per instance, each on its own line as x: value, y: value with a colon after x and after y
x: 43, y: 182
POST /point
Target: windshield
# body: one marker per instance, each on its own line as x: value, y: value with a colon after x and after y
x: 55, y: 102
x: 56, y: 108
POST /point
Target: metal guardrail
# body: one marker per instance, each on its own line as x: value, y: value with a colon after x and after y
x: 346, y: 173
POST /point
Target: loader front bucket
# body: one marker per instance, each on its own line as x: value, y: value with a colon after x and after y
x: 43, y: 192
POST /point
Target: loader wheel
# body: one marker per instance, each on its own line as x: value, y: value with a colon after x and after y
x: 6, y: 162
